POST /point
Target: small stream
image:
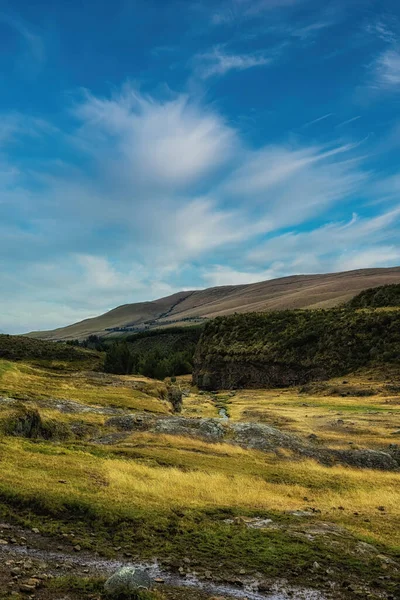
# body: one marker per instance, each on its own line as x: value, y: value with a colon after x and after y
x: 106, y: 567
x: 223, y: 414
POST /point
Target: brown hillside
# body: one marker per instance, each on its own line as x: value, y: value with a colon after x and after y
x: 298, y: 291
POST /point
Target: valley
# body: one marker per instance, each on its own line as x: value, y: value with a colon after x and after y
x: 216, y: 511
x: 275, y: 478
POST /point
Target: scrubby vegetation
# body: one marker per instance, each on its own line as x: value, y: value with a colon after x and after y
x: 157, y: 354
x: 335, y: 339
x: 307, y: 344
x: 378, y: 297
x: 18, y: 348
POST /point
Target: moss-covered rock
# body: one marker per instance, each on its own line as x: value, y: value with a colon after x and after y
x: 27, y: 422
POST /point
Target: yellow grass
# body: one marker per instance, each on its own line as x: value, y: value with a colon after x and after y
x: 21, y: 380
x: 368, y: 422
x: 157, y: 472
x: 120, y: 485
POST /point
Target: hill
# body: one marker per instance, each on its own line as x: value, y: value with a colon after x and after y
x: 191, y: 307
x: 285, y: 348
x: 23, y: 348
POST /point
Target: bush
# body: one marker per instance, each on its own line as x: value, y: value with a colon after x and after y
x: 175, y: 397
x: 119, y: 359
x: 378, y: 297
x: 155, y: 354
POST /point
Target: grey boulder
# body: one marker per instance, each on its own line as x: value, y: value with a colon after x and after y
x: 126, y: 581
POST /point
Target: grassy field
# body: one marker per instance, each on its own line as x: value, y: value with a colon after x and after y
x: 199, y: 476
x: 170, y: 496
x: 361, y: 410
x: 29, y: 382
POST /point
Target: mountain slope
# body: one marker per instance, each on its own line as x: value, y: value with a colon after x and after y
x: 298, y: 291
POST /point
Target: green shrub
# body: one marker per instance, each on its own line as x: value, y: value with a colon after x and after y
x: 19, y: 347
x: 175, y: 397
x: 378, y: 297
x: 156, y: 354
x: 332, y: 342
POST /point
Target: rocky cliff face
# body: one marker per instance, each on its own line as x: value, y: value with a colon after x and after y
x: 293, y: 347
x: 216, y: 372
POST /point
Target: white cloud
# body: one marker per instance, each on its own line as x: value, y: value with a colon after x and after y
x: 218, y: 62
x: 361, y: 242
x: 167, y: 186
x: 386, y: 70
x: 381, y: 256
x: 90, y: 285
x: 174, y: 142
x: 224, y: 275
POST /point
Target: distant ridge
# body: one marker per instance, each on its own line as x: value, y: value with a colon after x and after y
x: 190, y: 307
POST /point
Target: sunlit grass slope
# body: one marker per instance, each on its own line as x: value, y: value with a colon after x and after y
x: 24, y: 381
x: 122, y: 480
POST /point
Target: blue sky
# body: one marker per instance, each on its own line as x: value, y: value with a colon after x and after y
x: 148, y: 146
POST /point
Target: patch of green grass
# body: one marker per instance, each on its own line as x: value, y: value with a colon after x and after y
x: 208, y: 540
x: 359, y: 408
x: 54, y: 354
x: 82, y: 585
x: 87, y: 587
x: 5, y: 366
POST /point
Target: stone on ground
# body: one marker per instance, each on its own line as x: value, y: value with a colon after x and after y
x: 126, y: 581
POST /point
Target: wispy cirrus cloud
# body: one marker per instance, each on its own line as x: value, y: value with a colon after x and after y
x: 32, y: 55
x: 317, y: 120
x: 358, y: 243
x: 348, y: 121
x: 158, y: 186
x: 232, y: 10
x: 383, y: 29
x: 219, y: 62
x: 386, y: 70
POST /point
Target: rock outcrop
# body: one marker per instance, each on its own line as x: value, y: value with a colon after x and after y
x: 214, y: 373
x: 287, y: 348
x: 255, y: 436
